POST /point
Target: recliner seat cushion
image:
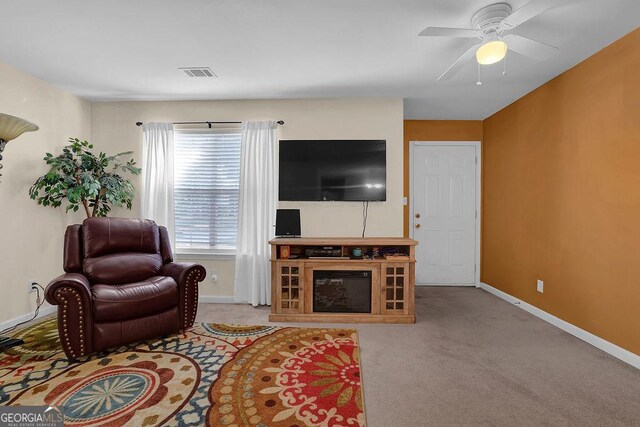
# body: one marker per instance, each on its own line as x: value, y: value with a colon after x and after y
x: 133, y: 300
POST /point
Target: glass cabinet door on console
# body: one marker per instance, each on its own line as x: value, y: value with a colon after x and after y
x: 395, y: 280
x: 289, y: 277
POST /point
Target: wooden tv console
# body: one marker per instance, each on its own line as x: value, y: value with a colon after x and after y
x: 392, y: 278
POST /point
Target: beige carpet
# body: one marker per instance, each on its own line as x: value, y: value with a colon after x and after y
x: 473, y: 359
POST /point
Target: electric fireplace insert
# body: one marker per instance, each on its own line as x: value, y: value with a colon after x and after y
x: 341, y: 291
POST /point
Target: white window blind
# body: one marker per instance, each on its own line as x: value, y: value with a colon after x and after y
x: 206, y: 185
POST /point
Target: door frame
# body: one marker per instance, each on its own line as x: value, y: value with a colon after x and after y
x: 478, y: 149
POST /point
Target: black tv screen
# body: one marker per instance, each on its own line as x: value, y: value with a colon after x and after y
x: 320, y: 170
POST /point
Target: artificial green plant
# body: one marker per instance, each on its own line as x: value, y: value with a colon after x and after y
x: 86, y: 180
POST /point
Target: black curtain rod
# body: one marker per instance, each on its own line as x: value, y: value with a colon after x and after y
x: 280, y: 122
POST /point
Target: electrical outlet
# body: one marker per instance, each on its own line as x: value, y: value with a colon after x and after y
x: 31, y: 286
x: 540, y: 286
x: 214, y: 276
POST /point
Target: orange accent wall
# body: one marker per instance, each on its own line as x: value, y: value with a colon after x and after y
x: 561, y: 195
x: 435, y: 130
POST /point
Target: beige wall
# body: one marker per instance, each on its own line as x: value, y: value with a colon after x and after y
x: 113, y: 129
x: 31, y: 236
x: 561, y: 190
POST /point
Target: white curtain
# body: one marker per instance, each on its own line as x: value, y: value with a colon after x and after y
x: 157, y: 175
x: 256, y: 212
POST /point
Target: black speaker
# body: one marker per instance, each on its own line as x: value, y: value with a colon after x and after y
x: 288, y: 223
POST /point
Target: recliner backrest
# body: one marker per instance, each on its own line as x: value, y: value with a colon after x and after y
x: 106, y: 236
x: 114, y: 251
x: 73, y: 253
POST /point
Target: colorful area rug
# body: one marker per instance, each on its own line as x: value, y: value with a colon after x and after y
x: 214, y: 375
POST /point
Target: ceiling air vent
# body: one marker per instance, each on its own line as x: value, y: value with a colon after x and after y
x: 198, y: 72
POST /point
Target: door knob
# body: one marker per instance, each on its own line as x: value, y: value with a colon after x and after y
x: 417, y: 225
x: 417, y: 215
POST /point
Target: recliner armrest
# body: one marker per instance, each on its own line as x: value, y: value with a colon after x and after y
x: 187, y: 275
x: 72, y: 293
x: 180, y: 271
x: 71, y: 280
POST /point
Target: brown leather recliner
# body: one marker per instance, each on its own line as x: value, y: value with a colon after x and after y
x: 121, y: 286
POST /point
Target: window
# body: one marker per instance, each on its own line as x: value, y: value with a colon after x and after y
x: 206, y: 186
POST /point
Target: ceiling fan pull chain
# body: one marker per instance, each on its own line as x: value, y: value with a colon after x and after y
x: 504, y: 70
x: 479, y: 83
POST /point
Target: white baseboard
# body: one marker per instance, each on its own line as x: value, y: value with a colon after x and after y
x: 457, y: 285
x: 44, y: 311
x: 212, y: 299
x: 604, y: 345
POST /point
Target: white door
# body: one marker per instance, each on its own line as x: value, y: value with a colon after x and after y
x: 444, y: 216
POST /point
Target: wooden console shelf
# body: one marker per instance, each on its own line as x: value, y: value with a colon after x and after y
x: 392, y: 277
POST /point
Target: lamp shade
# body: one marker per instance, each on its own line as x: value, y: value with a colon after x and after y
x: 491, y: 52
x: 12, y: 127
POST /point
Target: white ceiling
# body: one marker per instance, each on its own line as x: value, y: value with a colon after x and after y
x: 130, y: 50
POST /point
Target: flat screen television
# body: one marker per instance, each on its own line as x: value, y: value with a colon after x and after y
x: 342, y: 170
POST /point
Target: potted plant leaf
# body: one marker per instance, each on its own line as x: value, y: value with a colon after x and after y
x: 83, y: 179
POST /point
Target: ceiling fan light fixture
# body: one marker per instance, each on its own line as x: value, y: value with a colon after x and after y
x: 491, y: 52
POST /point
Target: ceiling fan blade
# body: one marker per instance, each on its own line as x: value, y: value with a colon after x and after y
x: 528, y: 11
x: 449, y: 32
x: 459, y: 63
x: 532, y: 48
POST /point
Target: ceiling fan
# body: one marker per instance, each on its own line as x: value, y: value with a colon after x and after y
x: 492, y: 25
